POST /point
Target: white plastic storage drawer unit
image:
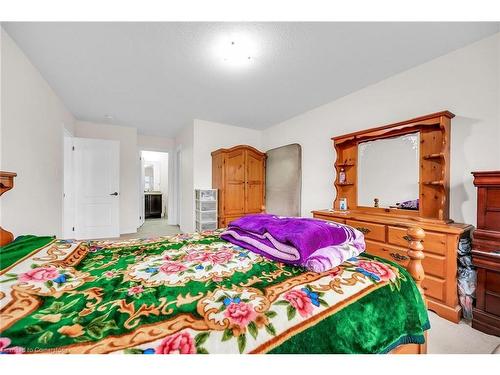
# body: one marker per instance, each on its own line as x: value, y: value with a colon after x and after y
x: 205, y: 209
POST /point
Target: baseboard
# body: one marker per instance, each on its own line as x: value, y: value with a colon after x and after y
x: 128, y: 231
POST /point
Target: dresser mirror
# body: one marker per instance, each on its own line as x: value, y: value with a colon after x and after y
x: 388, y: 172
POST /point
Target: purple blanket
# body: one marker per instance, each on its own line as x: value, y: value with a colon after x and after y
x: 315, y: 244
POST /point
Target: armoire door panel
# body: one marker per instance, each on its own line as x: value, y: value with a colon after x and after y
x: 255, y: 170
x: 235, y: 166
x: 254, y: 203
x: 234, y: 202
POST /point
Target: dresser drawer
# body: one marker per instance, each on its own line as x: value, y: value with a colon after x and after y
x: 492, y: 303
x: 328, y: 218
x: 433, y: 242
x: 434, y: 287
x: 434, y: 265
x: 370, y: 230
x: 394, y: 254
x: 492, y: 283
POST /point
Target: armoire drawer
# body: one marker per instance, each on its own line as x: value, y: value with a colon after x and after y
x: 370, y: 230
x: 434, y: 265
x: 433, y: 242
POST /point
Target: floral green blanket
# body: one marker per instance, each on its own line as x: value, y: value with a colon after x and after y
x: 197, y: 293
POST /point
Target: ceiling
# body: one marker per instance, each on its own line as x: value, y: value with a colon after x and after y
x: 158, y: 77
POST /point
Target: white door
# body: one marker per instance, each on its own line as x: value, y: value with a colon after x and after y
x: 97, y: 175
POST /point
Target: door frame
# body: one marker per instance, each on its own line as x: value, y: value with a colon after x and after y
x: 142, y: 208
x: 174, y: 208
x: 172, y: 219
x: 68, y: 201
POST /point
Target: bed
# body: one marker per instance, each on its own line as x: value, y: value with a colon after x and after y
x: 196, y: 293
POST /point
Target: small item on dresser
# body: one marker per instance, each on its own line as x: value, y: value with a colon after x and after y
x: 343, y: 204
x: 342, y: 177
x: 408, y: 205
x: 375, y: 202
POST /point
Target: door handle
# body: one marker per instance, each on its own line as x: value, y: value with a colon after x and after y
x: 115, y: 193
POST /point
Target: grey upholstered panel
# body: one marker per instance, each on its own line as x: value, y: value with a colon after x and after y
x: 284, y: 180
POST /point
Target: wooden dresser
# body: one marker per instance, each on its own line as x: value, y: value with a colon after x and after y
x: 238, y: 173
x: 486, y: 253
x: 385, y: 227
x: 386, y: 237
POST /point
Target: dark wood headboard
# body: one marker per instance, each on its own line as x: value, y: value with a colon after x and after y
x: 6, y: 183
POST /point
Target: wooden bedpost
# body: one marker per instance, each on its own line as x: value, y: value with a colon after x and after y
x: 416, y: 270
x: 416, y: 254
x: 6, y: 183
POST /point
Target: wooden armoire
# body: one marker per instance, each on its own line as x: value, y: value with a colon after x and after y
x: 239, y: 173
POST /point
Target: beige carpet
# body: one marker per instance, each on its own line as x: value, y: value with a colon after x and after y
x: 449, y: 338
x: 153, y: 228
x: 444, y: 337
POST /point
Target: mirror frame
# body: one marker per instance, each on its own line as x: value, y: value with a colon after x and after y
x: 434, y: 165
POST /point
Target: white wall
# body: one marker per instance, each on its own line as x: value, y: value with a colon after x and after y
x: 160, y: 144
x: 196, y: 142
x: 210, y: 136
x: 466, y: 82
x: 31, y: 144
x: 129, y: 167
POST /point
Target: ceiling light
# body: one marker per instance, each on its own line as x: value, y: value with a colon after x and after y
x: 235, y: 50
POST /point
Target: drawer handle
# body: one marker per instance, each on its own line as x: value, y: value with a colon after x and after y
x: 407, y: 238
x: 363, y: 230
x: 398, y: 257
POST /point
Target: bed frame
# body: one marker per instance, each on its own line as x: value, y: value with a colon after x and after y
x: 416, y: 270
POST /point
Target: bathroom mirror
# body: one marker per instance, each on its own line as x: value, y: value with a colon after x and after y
x: 388, y: 171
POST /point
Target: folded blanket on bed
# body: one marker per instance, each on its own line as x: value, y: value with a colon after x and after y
x: 317, y: 245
